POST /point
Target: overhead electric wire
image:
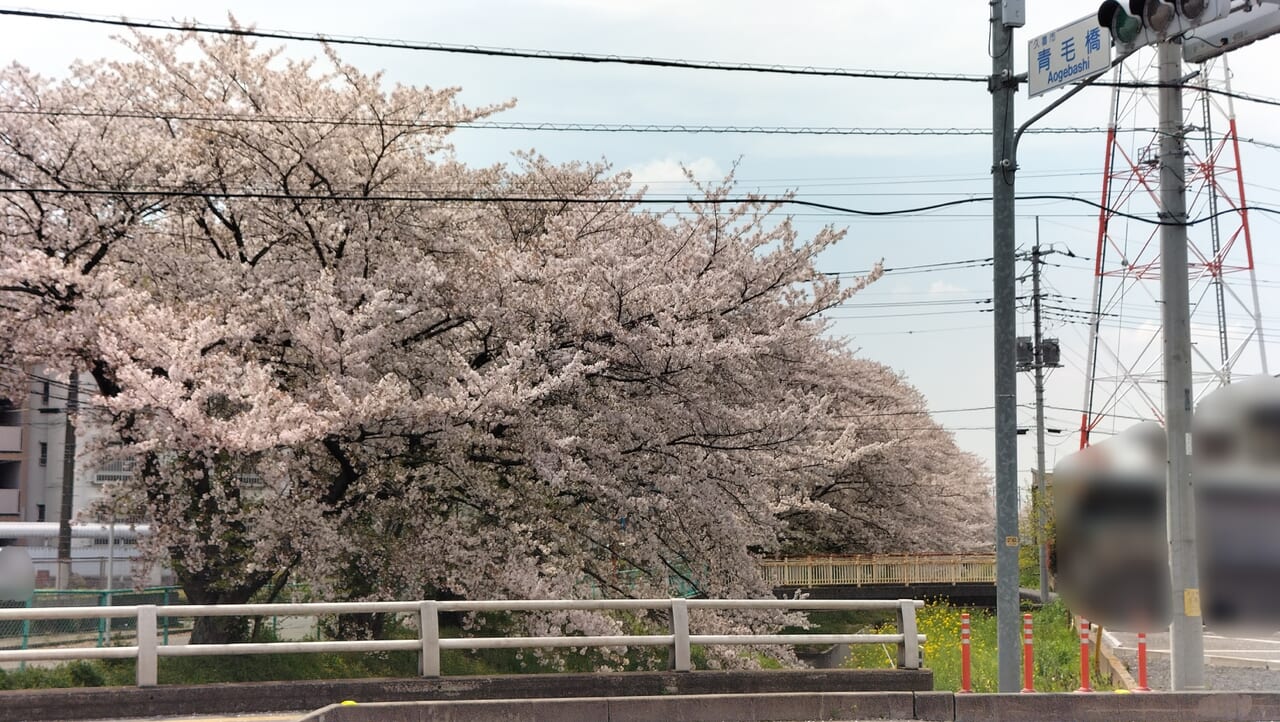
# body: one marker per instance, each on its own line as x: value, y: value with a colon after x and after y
x: 691, y: 128
x: 875, y: 317
x: 573, y: 127
x: 570, y: 126
x: 922, y: 267
x: 922, y: 412
x: 1235, y: 95
x: 521, y: 53
x: 908, y: 304
x: 578, y: 200
x: 921, y: 331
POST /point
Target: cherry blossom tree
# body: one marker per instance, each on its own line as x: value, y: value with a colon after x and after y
x: 341, y: 356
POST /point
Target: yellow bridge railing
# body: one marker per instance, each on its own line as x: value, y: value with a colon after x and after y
x: 884, y: 569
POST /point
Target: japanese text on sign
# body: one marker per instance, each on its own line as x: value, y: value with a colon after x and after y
x: 1067, y: 55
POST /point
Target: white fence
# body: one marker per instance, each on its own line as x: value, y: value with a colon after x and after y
x: 429, y: 644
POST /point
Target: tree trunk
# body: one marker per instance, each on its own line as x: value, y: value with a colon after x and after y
x: 221, y: 630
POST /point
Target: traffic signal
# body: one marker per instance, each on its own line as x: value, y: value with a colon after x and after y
x: 1157, y: 15
x: 1147, y: 22
x: 1127, y: 31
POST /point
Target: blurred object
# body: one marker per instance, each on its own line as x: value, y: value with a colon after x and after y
x: 1236, y: 466
x: 1112, y: 557
x: 17, y: 574
x: 1112, y: 552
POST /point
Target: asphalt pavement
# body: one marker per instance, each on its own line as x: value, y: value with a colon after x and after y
x: 1235, y: 660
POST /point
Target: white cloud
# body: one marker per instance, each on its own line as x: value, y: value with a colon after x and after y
x: 942, y: 287
x: 666, y: 173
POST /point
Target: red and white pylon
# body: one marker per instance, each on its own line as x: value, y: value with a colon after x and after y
x: 1124, y: 369
x: 1084, y: 657
x: 1028, y: 655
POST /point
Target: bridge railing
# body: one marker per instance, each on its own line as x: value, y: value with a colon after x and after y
x: 880, y: 569
x: 429, y: 644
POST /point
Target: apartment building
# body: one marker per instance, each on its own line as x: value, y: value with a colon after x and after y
x: 33, y: 463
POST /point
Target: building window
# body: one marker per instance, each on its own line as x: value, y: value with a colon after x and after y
x: 44, y: 392
x: 44, y: 453
x: 39, y: 512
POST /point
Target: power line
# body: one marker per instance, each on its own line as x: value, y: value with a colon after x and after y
x: 1236, y: 95
x: 921, y: 331
x: 572, y: 127
x: 569, y: 127
x: 1081, y: 411
x: 524, y: 125
x: 424, y: 198
x: 941, y: 265
x: 908, y: 304
x: 923, y: 412
x: 775, y: 69
x: 873, y: 317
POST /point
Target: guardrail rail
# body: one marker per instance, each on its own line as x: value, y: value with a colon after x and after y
x: 147, y: 651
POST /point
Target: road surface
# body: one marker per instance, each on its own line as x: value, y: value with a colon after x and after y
x: 1235, y: 660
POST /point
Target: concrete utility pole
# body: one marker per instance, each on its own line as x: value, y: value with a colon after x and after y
x: 1186, y: 633
x: 1042, y: 496
x: 1003, y: 85
x: 65, y: 505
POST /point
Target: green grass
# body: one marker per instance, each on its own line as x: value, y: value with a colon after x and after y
x: 1057, y: 649
x: 71, y: 674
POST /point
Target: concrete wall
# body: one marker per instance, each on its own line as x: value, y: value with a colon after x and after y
x: 701, y: 708
x: 669, y: 697
x: 937, y: 706
x: 126, y: 702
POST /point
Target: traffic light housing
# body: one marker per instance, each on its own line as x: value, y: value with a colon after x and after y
x: 1147, y: 22
x: 1127, y: 31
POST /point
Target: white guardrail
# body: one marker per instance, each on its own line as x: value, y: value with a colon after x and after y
x: 429, y: 644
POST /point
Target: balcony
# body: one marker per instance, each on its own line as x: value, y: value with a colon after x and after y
x: 10, y: 439
x: 114, y: 472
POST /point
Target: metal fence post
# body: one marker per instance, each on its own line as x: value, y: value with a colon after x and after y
x: 147, y: 663
x: 26, y: 623
x: 102, y: 622
x: 909, y: 648
x: 429, y: 624
x: 680, y: 659
x: 166, y: 617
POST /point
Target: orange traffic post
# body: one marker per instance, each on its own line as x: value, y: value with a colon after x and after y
x: 1028, y: 655
x: 1142, y: 663
x: 965, y: 671
x: 1084, y: 656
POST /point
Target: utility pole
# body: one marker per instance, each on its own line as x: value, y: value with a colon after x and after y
x: 1186, y: 633
x: 65, y: 505
x: 1003, y: 85
x: 1042, y: 496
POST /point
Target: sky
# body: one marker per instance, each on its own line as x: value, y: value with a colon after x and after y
x: 928, y: 323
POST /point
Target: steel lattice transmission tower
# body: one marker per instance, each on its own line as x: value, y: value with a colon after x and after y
x: 1124, y: 365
